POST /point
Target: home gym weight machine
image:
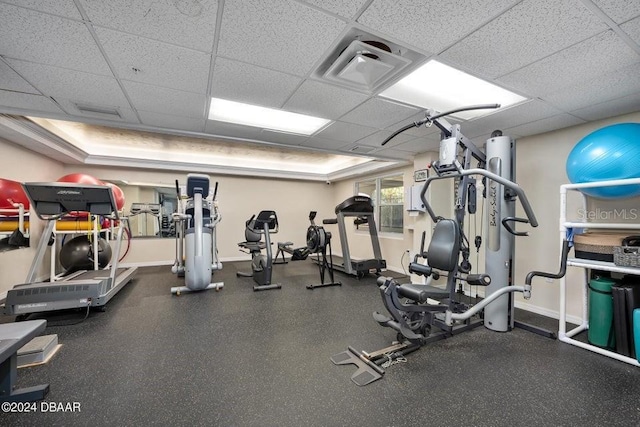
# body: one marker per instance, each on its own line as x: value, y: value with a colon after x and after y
x: 361, y: 208
x: 423, y: 313
x: 196, y: 248
x: 261, y: 265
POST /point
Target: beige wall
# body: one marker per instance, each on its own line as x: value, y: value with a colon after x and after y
x: 22, y: 165
x: 540, y: 171
x: 238, y: 199
x: 541, y: 161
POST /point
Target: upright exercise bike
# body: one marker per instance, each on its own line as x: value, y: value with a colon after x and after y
x: 261, y: 265
x: 196, y: 249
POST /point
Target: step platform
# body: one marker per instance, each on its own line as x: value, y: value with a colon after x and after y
x: 38, y: 351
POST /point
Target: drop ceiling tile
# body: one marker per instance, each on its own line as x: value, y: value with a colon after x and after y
x: 49, y: 40
x: 603, y: 88
x: 185, y: 23
x: 378, y: 113
x: 170, y: 121
x: 614, y: 107
x: 632, y: 28
x: 27, y: 101
x: 619, y: 11
x: 526, y: 112
x: 282, y: 137
x: 324, y: 143
x: 238, y: 81
x: 346, y: 132
x: 165, y: 100
x: 545, y: 125
x: 254, y: 31
x: 394, y: 153
x: 10, y: 80
x: 419, y: 145
x: 232, y: 130
x: 66, y: 8
x: 377, y: 138
x: 344, y: 8
x: 430, y: 27
x: 601, y: 54
x: 62, y: 83
x: 323, y: 100
x: 160, y: 64
x: 524, y: 34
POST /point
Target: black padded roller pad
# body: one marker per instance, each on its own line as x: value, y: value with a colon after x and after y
x: 421, y: 269
x: 420, y: 293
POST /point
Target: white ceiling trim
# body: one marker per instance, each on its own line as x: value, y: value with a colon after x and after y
x: 23, y: 132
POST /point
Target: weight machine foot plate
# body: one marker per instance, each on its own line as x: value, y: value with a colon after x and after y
x: 367, y: 371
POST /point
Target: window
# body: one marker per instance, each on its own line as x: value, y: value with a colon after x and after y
x: 387, y: 194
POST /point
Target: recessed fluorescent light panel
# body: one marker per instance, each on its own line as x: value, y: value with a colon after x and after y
x: 442, y: 88
x: 267, y: 118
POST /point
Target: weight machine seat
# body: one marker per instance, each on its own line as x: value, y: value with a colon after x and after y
x: 444, y: 248
x: 420, y: 293
x: 442, y: 254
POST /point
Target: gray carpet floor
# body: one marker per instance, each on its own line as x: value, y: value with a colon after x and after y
x: 243, y: 358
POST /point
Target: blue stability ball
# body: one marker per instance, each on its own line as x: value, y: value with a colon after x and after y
x: 612, y: 152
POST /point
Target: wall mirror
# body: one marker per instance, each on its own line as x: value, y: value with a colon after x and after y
x: 149, y: 208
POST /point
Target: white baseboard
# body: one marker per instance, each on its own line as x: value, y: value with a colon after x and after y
x: 546, y: 312
x: 171, y: 262
x: 145, y: 264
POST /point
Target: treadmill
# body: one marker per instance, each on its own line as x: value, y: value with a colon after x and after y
x: 94, y: 288
x: 360, y: 207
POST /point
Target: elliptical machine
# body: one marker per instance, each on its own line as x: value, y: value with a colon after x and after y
x: 196, y: 250
x: 318, y: 240
x: 261, y: 265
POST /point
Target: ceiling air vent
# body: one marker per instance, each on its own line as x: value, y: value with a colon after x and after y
x: 365, y: 62
x: 99, y: 111
x: 362, y: 149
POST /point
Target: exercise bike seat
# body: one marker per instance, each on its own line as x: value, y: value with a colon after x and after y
x: 420, y: 293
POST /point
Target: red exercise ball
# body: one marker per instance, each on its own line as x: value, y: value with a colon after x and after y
x: 12, y: 192
x: 118, y: 195
x: 81, y: 178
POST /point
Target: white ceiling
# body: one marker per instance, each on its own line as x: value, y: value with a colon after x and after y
x: 159, y: 62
